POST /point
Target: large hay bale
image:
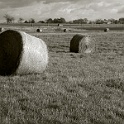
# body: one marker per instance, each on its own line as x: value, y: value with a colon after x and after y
x: 106, y: 29
x: 21, y: 53
x: 81, y: 44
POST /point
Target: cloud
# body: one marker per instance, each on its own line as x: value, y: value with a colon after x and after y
x: 22, y: 3
x: 68, y: 9
x: 56, y: 1
x: 16, y: 3
x: 121, y: 10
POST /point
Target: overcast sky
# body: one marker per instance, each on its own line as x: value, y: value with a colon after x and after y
x: 68, y: 9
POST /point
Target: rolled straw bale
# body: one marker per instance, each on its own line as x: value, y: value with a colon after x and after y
x: 60, y: 25
x: 39, y: 30
x: 106, y: 29
x: 21, y: 53
x: 65, y: 30
x: 81, y: 44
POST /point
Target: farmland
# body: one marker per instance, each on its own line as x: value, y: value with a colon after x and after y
x: 89, y: 27
x: 76, y: 88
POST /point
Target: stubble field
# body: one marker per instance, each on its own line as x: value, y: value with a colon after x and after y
x: 75, y: 88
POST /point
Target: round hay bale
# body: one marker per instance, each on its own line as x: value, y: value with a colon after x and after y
x: 65, y: 30
x: 21, y: 53
x: 60, y: 25
x: 1, y: 29
x: 81, y: 44
x: 39, y: 30
x: 106, y: 29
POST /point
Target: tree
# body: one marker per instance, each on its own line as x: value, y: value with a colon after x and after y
x: 31, y: 20
x: 62, y: 20
x: 49, y: 20
x: 121, y: 20
x: 26, y: 21
x: 85, y: 21
x: 12, y: 19
x: 111, y: 21
x: 59, y: 20
x: 56, y: 20
x: 41, y: 22
x: 20, y: 20
x: 116, y: 21
x: 81, y: 21
x: 9, y: 19
x: 99, y: 21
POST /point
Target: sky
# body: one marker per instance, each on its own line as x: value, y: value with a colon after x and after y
x: 68, y: 9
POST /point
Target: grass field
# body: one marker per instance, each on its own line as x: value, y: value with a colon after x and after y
x: 72, y: 27
x: 76, y: 88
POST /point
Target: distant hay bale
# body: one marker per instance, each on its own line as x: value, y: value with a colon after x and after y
x: 21, y: 53
x: 81, y: 44
x: 106, y: 29
x: 39, y: 30
x: 1, y: 29
x: 60, y: 25
x: 65, y: 30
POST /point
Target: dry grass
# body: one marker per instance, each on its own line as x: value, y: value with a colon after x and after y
x: 75, y: 89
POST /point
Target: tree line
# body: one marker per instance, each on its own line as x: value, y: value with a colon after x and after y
x: 11, y: 19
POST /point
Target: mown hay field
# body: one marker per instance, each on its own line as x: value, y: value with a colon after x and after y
x: 52, y: 27
x: 76, y: 88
